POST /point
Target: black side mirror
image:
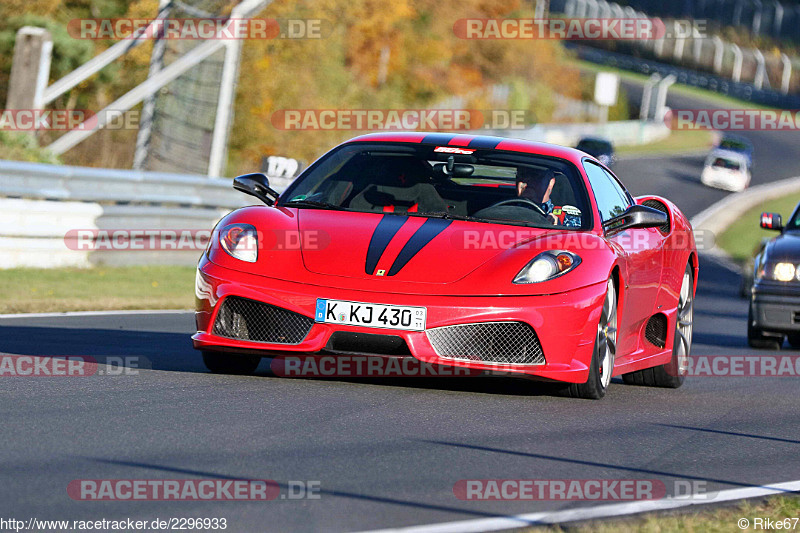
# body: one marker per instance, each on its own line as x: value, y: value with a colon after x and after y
x: 257, y: 185
x: 771, y: 221
x: 637, y: 216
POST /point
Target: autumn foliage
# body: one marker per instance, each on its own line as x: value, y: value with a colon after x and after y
x: 374, y: 54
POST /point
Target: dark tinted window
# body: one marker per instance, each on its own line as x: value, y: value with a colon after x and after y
x: 612, y: 200
x: 734, y: 144
x: 594, y: 146
x: 725, y: 163
x: 427, y: 180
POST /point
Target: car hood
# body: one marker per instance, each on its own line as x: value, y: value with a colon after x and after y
x: 784, y: 247
x: 405, y: 248
x: 348, y: 250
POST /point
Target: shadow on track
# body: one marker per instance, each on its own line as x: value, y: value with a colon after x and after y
x: 322, y: 491
x: 732, y: 433
x: 583, y: 462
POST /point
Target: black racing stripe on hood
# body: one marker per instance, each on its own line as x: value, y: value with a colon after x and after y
x: 425, y: 234
x: 383, y: 235
x: 437, y: 138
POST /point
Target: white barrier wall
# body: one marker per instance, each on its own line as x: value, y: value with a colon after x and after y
x: 38, y: 233
x: 40, y: 204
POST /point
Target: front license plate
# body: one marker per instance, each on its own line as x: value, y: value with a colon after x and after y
x: 371, y: 315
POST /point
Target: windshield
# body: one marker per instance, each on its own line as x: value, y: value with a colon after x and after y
x: 725, y: 163
x: 733, y: 144
x: 794, y: 223
x: 430, y: 181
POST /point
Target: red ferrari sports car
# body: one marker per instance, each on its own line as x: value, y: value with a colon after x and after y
x: 482, y: 252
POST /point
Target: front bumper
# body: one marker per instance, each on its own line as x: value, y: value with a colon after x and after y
x: 565, y: 323
x: 728, y: 182
x: 775, y: 307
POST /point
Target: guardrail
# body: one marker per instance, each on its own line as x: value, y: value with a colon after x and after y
x: 41, y: 203
x: 621, y: 133
x: 61, y: 182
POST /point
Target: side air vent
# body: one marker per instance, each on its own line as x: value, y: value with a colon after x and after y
x: 655, y: 204
x: 656, y: 330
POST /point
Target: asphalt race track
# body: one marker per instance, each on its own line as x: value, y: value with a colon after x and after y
x: 386, y: 453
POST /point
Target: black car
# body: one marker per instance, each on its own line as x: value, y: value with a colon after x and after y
x: 775, y: 295
x: 600, y: 148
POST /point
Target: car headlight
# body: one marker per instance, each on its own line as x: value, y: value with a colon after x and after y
x: 547, y: 265
x: 240, y: 241
x: 784, y: 272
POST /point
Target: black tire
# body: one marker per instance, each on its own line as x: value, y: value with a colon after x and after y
x: 758, y: 338
x: 673, y: 374
x: 604, y: 353
x: 227, y: 363
x: 746, y: 284
x: 794, y: 340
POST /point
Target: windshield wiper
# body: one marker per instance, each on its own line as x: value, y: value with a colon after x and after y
x: 441, y: 214
x: 315, y: 204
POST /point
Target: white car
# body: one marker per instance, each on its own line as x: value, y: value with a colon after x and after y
x: 725, y: 169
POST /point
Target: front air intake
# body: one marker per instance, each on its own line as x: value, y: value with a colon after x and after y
x: 510, y: 343
x: 251, y: 320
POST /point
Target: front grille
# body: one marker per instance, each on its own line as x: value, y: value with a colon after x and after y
x: 250, y: 320
x: 512, y: 343
x: 655, y: 204
x: 656, y: 330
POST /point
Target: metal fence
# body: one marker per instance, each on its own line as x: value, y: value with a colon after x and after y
x: 767, y: 70
x: 743, y: 91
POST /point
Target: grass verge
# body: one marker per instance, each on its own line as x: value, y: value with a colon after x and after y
x: 717, y: 520
x: 38, y: 290
x: 741, y: 239
x: 679, y: 141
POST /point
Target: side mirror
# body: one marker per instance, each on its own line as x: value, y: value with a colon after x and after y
x: 637, y: 216
x: 257, y: 185
x: 771, y: 221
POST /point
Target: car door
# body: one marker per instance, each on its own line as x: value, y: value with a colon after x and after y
x: 640, y: 249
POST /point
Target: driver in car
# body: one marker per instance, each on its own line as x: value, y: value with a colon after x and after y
x: 536, y: 187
